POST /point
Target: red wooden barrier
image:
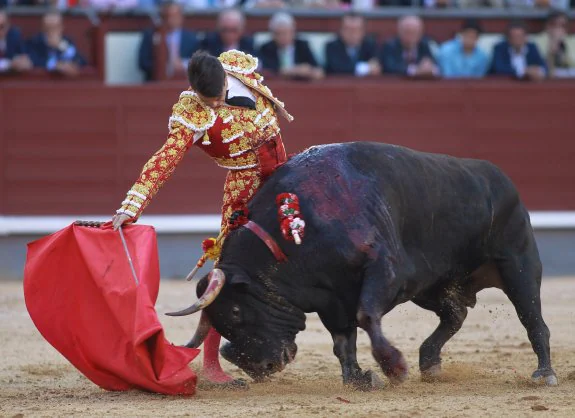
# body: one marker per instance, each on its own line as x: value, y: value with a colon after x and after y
x: 75, y: 148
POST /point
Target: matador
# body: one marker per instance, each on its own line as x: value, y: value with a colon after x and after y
x: 233, y: 117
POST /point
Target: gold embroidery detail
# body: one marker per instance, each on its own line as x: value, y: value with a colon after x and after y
x: 238, y: 61
x: 237, y: 163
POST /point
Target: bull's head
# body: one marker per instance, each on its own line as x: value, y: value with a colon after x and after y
x: 258, y: 322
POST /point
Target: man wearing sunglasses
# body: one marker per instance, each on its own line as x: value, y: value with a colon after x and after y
x: 12, y: 55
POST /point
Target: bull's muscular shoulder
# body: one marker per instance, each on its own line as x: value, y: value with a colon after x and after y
x: 192, y: 113
x: 238, y: 62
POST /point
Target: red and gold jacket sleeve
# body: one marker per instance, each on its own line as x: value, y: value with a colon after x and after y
x: 189, y: 117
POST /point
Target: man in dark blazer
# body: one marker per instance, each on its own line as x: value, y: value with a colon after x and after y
x: 12, y: 52
x: 409, y: 53
x: 53, y: 51
x: 516, y: 57
x: 285, y: 55
x: 352, y: 52
x: 181, y: 43
x: 229, y: 34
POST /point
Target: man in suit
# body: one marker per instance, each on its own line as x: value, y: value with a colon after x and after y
x: 229, y: 34
x: 352, y: 52
x: 553, y: 45
x: 409, y: 53
x: 516, y: 57
x: 181, y: 43
x: 285, y: 54
x: 53, y: 51
x: 12, y: 54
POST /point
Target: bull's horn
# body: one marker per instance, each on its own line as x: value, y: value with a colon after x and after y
x: 216, y: 281
x: 201, y: 332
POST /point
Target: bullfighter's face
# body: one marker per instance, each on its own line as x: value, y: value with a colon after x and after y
x: 259, y: 325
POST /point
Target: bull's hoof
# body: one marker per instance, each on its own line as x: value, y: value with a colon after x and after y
x: 431, y: 374
x: 545, y: 376
x: 396, y: 372
x: 367, y: 381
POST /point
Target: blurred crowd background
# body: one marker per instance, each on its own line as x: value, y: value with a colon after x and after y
x: 282, y: 52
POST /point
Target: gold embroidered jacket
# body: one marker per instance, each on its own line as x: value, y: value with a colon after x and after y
x: 230, y: 135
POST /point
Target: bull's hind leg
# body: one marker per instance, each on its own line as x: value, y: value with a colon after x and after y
x: 450, y: 303
x: 521, y: 276
x: 379, y: 295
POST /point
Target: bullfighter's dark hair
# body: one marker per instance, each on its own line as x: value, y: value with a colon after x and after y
x: 206, y: 74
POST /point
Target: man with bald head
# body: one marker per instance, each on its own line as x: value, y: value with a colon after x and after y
x: 408, y: 53
x: 229, y: 34
x: 53, y: 51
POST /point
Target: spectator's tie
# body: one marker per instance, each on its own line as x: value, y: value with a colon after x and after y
x: 410, y: 57
x: 173, y: 53
x: 2, y: 48
x: 352, y: 52
x: 286, y: 60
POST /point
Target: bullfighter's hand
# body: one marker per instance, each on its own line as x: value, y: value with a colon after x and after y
x: 119, y: 219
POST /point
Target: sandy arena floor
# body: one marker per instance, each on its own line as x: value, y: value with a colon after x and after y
x: 486, y: 368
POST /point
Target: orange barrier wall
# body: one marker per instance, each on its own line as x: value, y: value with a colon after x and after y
x: 75, y: 148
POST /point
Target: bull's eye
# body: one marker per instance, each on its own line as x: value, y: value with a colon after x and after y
x: 236, y: 311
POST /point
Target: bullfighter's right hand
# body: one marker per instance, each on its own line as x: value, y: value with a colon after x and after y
x: 119, y: 219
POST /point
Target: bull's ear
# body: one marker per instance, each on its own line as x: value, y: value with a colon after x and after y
x: 240, y: 279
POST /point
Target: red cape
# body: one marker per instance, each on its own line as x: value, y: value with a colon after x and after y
x: 82, y: 297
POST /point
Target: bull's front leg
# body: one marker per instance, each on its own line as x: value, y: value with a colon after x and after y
x: 344, y: 348
x: 378, y: 296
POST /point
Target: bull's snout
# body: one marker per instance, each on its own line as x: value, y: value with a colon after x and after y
x: 258, y: 369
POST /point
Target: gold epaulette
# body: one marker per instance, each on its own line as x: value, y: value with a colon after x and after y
x: 192, y: 113
x: 238, y: 62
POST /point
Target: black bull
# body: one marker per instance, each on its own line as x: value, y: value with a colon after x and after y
x: 384, y: 225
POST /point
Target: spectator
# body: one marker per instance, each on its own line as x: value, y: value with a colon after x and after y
x: 12, y: 55
x: 206, y: 4
x: 461, y: 57
x: 539, y: 4
x: 53, y: 51
x: 553, y: 44
x: 352, y: 52
x: 408, y: 53
x: 517, y: 57
x: 229, y: 34
x: 181, y: 43
x: 285, y: 54
x: 109, y: 5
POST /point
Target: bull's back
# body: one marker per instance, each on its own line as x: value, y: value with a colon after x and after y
x: 425, y: 198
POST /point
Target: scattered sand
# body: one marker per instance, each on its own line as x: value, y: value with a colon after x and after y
x: 486, y: 368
